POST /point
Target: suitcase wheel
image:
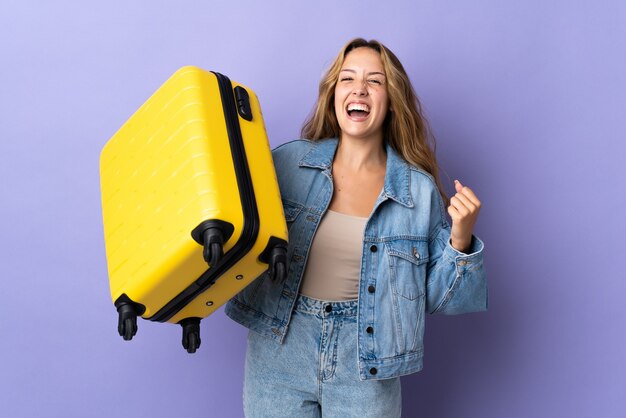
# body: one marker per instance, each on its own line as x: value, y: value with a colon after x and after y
x: 275, y: 256
x: 213, y: 246
x: 129, y: 328
x: 128, y: 311
x: 191, y: 334
x: 212, y: 235
x: 127, y: 321
x: 278, y: 263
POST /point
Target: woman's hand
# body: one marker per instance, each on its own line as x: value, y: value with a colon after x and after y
x: 463, y: 209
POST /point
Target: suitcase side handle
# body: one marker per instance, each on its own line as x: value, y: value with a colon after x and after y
x: 242, y: 98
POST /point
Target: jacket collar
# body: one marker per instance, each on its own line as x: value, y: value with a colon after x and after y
x: 397, y: 177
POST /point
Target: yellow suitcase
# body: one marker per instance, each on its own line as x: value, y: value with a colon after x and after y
x: 190, y: 202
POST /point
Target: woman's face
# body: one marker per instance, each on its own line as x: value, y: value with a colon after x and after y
x: 361, y: 100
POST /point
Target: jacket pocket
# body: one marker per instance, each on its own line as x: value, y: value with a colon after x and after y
x: 407, y: 267
x: 408, y: 259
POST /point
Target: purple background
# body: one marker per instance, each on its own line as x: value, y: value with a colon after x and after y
x: 528, y: 103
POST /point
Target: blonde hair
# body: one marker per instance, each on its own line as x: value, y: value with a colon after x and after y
x: 405, y: 128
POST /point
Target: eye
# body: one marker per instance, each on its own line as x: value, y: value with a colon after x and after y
x: 345, y: 79
x: 375, y: 81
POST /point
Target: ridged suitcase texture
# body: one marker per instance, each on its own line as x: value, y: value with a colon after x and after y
x: 171, y: 167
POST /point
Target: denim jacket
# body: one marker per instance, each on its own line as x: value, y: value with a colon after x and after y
x: 408, y: 266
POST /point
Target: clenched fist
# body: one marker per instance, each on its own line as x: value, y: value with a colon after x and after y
x: 463, y: 209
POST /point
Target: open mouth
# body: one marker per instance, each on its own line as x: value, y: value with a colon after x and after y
x: 358, y: 110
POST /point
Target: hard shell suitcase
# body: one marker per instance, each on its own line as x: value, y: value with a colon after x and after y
x: 190, y: 201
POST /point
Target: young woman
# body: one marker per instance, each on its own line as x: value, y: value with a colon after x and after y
x: 370, y: 251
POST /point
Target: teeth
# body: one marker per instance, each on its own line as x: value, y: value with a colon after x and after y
x: 358, y: 106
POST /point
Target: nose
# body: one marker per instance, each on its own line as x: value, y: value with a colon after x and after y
x: 360, y: 89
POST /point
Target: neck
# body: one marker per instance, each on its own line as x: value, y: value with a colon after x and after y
x: 358, y: 154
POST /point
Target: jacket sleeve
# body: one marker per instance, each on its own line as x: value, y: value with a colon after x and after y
x: 455, y: 282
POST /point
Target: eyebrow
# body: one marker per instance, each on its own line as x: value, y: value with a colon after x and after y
x: 371, y: 73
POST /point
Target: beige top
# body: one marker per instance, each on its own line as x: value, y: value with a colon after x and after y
x: 334, y: 264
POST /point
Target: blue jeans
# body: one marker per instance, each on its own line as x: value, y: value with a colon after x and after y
x: 314, y: 372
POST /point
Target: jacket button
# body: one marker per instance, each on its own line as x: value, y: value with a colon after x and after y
x: 371, y: 288
x: 373, y: 248
x: 328, y: 308
x: 369, y: 330
x: 373, y: 370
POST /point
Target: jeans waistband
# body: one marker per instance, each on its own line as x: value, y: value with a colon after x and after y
x: 309, y: 305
